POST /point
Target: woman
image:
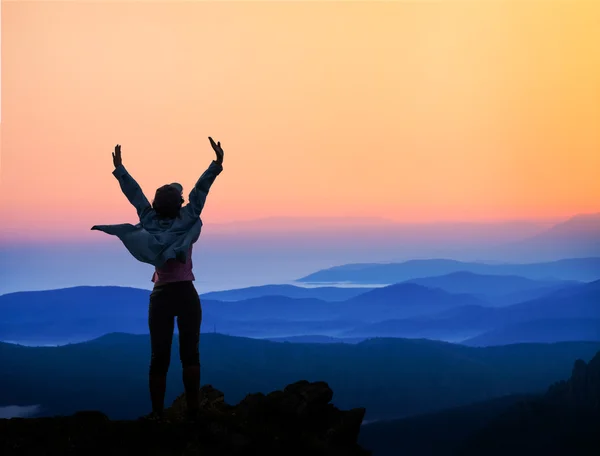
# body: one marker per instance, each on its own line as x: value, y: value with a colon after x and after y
x: 164, y: 238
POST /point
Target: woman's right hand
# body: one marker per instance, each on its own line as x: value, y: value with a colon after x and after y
x: 117, y: 161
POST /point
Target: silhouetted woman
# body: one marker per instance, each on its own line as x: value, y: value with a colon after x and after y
x: 164, y: 238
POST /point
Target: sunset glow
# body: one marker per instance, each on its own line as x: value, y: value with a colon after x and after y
x: 412, y: 111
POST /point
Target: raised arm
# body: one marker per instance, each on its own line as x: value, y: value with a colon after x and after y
x: 200, y: 191
x: 130, y: 187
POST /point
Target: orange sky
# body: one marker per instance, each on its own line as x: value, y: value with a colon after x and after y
x: 408, y: 110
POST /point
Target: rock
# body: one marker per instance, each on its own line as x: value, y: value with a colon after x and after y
x: 211, y: 399
x: 317, y: 393
x: 299, y: 420
x: 348, y: 428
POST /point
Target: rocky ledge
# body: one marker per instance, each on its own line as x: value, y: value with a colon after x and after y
x: 300, y: 420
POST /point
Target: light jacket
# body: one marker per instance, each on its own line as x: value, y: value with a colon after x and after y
x: 155, y: 240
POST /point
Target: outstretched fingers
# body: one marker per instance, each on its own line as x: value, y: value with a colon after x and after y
x: 117, y: 156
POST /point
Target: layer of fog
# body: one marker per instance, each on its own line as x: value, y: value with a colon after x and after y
x: 18, y: 411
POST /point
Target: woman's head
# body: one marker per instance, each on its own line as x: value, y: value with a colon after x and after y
x: 168, y: 200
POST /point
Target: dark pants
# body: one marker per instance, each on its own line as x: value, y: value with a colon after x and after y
x: 167, y: 301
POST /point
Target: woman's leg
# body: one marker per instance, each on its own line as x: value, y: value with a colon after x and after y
x: 160, y: 322
x: 189, y: 319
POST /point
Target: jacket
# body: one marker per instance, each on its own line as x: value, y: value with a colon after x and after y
x: 155, y: 240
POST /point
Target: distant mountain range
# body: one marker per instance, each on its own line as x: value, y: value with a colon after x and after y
x: 72, y: 314
x: 577, y: 237
x: 295, y: 247
x: 546, y: 330
x: 570, y: 305
x: 317, y: 340
x: 400, y: 310
x: 574, y: 269
x: 508, y: 241
x: 82, y: 313
x: 403, y: 300
x: 288, y: 291
x: 498, y: 289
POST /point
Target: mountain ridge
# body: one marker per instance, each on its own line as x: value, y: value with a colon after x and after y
x: 579, y: 269
x: 115, y: 366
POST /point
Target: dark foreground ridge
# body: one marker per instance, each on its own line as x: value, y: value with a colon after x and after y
x: 300, y: 420
x: 564, y: 421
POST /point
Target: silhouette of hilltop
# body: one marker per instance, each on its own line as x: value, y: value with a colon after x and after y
x: 564, y: 421
x: 578, y: 269
x: 299, y: 420
x: 579, y: 236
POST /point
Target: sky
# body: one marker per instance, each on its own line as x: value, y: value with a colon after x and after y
x: 406, y: 112
x: 411, y: 111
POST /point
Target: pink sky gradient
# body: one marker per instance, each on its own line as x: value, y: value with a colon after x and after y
x: 410, y: 111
